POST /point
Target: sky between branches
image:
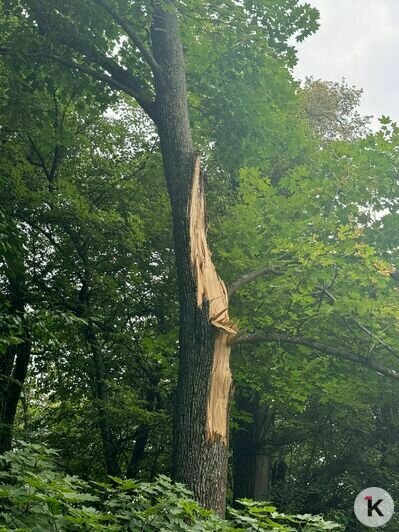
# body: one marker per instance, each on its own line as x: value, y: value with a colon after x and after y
x: 358, y: 40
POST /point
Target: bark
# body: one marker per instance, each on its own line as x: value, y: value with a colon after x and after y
x: 251, y: 459
x: 17, y: 360
x: 14, y: 363
x: 200, y: 449
x: 100, y: 390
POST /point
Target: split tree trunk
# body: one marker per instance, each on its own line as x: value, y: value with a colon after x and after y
x: 204, y: 382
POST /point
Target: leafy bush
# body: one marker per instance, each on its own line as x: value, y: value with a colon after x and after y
x: 35, y: 496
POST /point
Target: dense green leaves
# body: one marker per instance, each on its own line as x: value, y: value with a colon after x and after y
x: 36, y: 496
x: 298, y: 189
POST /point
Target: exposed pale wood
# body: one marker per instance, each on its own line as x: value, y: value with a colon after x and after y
x: 212, y: 291
x: 210, y: 287
x: 219, y: 391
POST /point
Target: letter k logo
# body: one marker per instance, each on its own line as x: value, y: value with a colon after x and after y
x: 373, y: 507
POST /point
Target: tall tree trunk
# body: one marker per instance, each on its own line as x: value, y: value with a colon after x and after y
x: 251, y: 459
x: 100, y: 391
x: 18, y: 360
x: 204, y: 382
x: 201, y: 418
x: 14, y: 362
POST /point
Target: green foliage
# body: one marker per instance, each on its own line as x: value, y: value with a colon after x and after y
x: 258, y: 516
x: 81, y: 251
x: 35, y: 496
x: 86, y: 251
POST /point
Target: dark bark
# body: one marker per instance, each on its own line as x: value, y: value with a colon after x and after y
x: 200, y: 464
x: 14, y: 363
x: 251, y: 458
x: 101, y: 401
x: 141, y: 440
x: 18, y: 359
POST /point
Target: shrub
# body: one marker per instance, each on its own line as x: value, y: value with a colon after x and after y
x: 36, y: 496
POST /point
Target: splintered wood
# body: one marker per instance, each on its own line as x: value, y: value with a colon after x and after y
x: 211, y: 288
x: 219, y: 391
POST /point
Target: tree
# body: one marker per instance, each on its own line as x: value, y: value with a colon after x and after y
x: 332, y: 110
x: 75, y: 228
x: 154, y: 74
x: 310, y: 300
x: 16, y: 341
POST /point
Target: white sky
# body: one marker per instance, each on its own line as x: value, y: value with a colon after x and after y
x: 358, y: 40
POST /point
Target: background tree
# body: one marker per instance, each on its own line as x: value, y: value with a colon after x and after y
x: 332, y: 109
x: 84, y: 244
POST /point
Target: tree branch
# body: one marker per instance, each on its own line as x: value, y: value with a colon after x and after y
x: 318, y: 346
x: 118, y: 78
x: 251, y: 276
x: 362, y: 327
x: 146, y: 103
x: 131, y: 33
x: 42, y: 163
x: 113, y: 83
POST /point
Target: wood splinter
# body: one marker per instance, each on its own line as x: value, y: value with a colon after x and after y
x: 211, y: 289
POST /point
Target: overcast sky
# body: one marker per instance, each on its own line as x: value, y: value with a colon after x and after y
x: 358, y: 40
